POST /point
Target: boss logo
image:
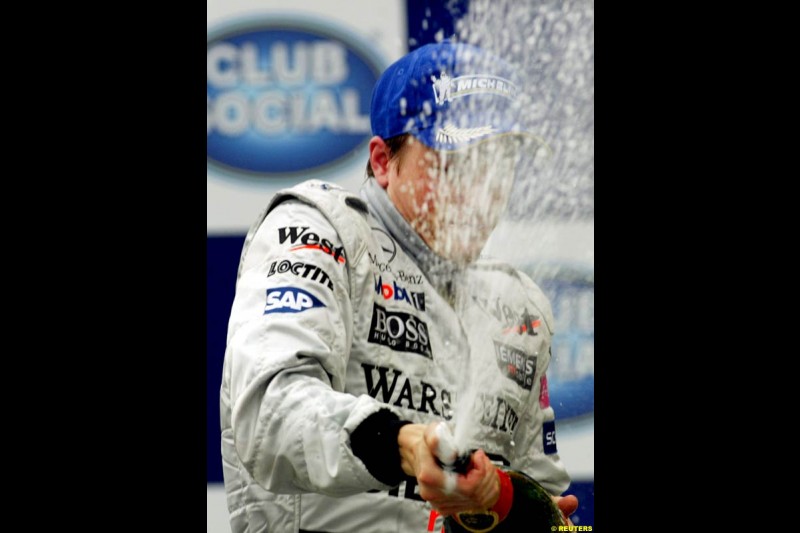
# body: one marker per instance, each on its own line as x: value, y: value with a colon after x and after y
x: 401, y: 332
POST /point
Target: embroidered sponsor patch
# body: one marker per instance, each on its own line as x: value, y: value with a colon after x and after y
x: 290, y: 300
x: 516, y: 364
x: 300, y: 269
x: 395, y: 292
x: 402, y: 332
x: 302, y: 239
x: 549, y: 437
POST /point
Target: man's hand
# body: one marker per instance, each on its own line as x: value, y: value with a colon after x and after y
x: 567, y: 504
x: 447, y: 492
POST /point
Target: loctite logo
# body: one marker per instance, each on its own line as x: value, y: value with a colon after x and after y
x: 310, y: 240
x: 303, y: 270
x: 287, y: 96
x: 401, y: 332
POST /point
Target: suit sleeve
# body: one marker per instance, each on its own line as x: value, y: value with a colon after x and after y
x: 536, y: 448
x: 289, y: 339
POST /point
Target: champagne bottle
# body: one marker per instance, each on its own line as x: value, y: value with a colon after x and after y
x: 524, y: 505
x: 532, y: 510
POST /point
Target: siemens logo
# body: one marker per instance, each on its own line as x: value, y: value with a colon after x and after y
x: 286, y: 96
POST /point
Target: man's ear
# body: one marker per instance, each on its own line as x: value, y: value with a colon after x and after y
x: 379, y: 157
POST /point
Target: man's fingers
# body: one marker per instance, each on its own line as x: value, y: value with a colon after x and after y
x: 450, y: 482
x: 568, y: 504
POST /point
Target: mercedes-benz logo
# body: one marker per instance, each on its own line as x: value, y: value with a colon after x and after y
x: 386, y: 243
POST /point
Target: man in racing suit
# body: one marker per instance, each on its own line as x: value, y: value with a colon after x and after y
x: 360, y: 322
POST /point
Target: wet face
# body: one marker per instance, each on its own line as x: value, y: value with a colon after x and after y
x: 452, y: 199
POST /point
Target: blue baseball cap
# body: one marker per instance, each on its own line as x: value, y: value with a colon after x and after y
x: 448, y: 95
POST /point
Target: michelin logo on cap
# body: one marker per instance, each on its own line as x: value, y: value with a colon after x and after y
x: 448, y: 95
x: 446, y: 88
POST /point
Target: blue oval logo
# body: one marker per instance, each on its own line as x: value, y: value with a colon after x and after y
x: 287, y: 96
x: 570, y: 376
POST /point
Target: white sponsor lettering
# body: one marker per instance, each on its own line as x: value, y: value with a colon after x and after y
x: 282, y: 102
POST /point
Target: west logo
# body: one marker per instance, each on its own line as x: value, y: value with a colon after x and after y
x: 401, y: 332
x: 397, y: 292
x: 303, y: 270
x: 290, y: 300
x: 516, y: 364
x: 310, y: 240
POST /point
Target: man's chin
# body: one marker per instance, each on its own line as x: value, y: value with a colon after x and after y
x: 460, y: 255
x: 463, y: 244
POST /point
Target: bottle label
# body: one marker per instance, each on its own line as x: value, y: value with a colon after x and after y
x: 478, y: 522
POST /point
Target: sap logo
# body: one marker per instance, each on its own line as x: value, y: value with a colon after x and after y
x: 401, y: 332
x: 286, y: 95
x: 310, y: 241
x: 304, y: 270
x: 549, y: 437
x: 398, y: 293
x: 290, y: 300
x: 516, y: 364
